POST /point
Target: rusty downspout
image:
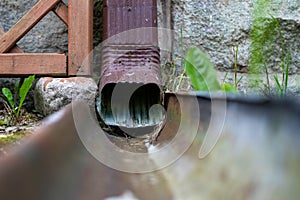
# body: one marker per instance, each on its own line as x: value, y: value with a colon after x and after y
x: 130, y: 62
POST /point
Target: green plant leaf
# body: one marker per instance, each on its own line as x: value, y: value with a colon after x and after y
x: 201, y: 71
x: 229, y: 88
x: 7, y: 93
x: 24, y: 91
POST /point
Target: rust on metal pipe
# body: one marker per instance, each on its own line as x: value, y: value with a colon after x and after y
x: 131, y: 62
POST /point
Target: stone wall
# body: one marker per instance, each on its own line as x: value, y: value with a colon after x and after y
x: 217, y: 25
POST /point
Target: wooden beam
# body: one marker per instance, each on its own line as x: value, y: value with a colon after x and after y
x: 34, y: 63
x: 62, y: 12
x: 25, y: 24
x: 80, y: 33
x: 14, y: 49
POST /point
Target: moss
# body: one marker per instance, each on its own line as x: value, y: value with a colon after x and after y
x: 10, y: 139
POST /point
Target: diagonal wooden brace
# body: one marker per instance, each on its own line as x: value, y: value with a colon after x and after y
x: 14, y: 49
x: 28, y: 21
x: 61, y: 10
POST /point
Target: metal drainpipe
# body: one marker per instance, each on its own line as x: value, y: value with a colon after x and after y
x: 130, y: 62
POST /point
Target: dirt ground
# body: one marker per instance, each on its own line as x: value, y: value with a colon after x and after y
x: 13, y: 131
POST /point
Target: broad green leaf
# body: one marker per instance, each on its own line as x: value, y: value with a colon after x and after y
x: 201, y: 71
x: 7, y: 93
x: 24, y: 91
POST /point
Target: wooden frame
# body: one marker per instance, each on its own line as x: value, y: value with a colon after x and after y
x: 33, y: 63
x: 15, y: 48
x: 62, y: 12
x: 78, y: 16
x: 80, y: 36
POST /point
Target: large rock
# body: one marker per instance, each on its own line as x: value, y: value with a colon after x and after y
x: 51, y: 94
x: 216, y: 26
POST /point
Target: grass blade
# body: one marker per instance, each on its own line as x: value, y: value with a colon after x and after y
x: 240, y: 79
x: 278, y: 84
x: 268, y: 79
x: 287, y: 72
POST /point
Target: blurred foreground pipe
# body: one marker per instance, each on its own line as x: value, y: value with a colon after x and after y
x: 257, y: 155
x: 54, y: 164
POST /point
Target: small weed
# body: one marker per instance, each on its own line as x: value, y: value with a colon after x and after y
x: 285, y: 63
x: 264, y: 34
x: 15, y: 106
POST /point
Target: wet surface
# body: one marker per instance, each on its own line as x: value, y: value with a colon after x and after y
x: 137, y: 145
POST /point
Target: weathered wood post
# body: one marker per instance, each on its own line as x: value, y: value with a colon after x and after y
x: 80, y: 32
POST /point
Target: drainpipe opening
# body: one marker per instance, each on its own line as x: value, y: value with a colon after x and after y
x: 130, y: 106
